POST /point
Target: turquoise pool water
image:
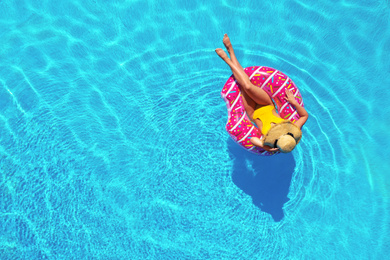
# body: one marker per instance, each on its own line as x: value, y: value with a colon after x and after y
x: 112, y: 141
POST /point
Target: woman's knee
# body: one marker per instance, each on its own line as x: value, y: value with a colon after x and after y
x: 248, y: 86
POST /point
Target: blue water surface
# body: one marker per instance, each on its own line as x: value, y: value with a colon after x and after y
x: 112, y: 139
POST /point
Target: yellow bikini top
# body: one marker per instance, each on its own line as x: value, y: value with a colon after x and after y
x: 267, y: 117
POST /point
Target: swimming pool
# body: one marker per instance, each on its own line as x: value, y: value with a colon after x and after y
x: 112, y: 140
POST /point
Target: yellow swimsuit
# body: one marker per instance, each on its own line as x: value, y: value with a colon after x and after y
x: 267, y: 117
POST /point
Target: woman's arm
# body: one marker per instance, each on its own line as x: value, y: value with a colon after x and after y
x: 259, y: 143
x: 300, y: 110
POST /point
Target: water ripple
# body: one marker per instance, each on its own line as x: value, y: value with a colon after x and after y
x: 112, y: 125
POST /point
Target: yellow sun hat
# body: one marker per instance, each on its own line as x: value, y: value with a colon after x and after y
x: 284, y: 135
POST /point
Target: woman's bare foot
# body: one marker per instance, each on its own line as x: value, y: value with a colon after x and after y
x: 229, y: 48
x: 226, y: 42
x: 221, y: 53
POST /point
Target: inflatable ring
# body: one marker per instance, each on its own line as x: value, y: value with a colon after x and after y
x: 275, y: 83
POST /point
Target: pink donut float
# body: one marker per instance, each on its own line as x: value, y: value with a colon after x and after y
x: 274, y: 82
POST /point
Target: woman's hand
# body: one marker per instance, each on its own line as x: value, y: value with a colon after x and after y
x: 290, y: 97
x: 269, y: 149
x: 259, y: 143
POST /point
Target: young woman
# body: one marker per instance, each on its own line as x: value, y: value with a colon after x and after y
x: 279, y: 134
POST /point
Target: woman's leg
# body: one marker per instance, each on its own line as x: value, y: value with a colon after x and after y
x: 248, y: 102
x: 258, y: 95
x: 229, y: 48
